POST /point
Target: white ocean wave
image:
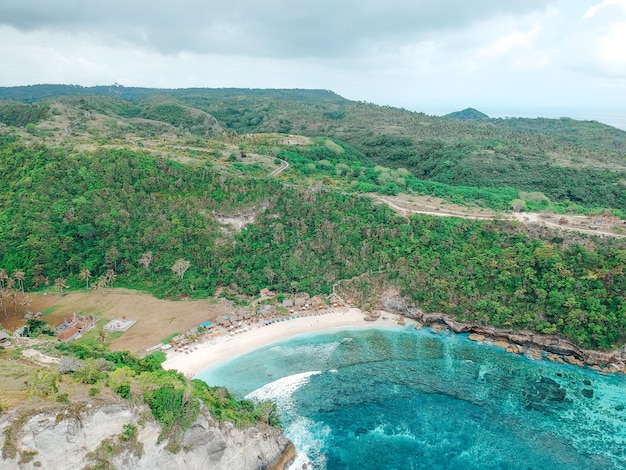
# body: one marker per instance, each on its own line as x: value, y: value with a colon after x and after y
x: 280, y: 391
x: 307, y: 436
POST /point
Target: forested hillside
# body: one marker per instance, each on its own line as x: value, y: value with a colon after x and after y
x: 169, y: 191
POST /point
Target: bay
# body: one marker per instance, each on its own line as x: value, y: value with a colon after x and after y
x: 398, y: 398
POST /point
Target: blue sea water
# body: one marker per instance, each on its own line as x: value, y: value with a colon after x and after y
x: 398, y: 398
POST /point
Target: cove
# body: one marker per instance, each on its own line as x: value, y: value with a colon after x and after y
x: 398, y: 398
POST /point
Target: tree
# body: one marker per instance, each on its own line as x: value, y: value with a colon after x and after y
x: 85, y: 274
x: 110, y: 276
x: 145, y: 259
x: 112, y: 256
x: 101, y: 283
x: 102, y: 336
x: 518, y: 205
x: 3, y: 277
x: 180, y: 267
x: 19, y: 276
x: 59, y: 284
x: 26, y: 302
x: 4, y: 295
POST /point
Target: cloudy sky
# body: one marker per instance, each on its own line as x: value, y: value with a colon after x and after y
x: 426, y: 55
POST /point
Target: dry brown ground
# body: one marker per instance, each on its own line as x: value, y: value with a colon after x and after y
x: 411, y: 204
x: 156, y: 319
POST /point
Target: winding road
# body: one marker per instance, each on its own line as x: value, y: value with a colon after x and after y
x: 68, y: 128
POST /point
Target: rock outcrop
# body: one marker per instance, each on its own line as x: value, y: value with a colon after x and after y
x: 72, y: 439
x: 616, y: 360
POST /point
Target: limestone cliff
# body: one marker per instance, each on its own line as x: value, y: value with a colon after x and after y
x: 615, y: 360
x: 124, y: 437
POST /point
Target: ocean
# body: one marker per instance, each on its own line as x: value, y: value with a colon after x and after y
x: 398, y: 398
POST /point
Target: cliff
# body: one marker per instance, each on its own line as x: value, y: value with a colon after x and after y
x: 118, y: 436
x: 614, y: 360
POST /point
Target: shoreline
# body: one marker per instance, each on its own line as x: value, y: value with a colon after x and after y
x: 214, y: 350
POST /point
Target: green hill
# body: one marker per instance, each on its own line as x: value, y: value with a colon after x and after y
x: 573, y: 163
x: 184, y: 175
x: 468, y: 114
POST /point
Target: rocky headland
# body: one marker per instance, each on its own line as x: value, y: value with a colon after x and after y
x: 119, y: 436
x: 531, y: 344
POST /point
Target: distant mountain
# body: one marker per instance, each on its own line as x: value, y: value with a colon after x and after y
x: 468, y: 114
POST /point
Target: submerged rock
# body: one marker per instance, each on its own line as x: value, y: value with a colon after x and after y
x: 587, y: 393
x: 544, y: 394
x: 476, y: 337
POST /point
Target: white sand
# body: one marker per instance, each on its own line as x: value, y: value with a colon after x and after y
x: 224, y: 347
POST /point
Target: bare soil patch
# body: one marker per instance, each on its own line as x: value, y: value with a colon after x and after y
x: 406, y: 204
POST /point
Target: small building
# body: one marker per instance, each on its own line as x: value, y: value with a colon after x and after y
x: 73, y: 327
x: 178, y: 340
x: 68, y: 334
x: 265, y: 292
x: 223, y: 320
x: 288, y: 303
x: 4, y: 337
x: 206, y: 324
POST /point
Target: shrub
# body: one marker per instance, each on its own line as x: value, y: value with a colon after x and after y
x: 69, y: 364
x: 123, y: 391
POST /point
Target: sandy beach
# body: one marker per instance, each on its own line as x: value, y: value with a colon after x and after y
x: 214, y: 350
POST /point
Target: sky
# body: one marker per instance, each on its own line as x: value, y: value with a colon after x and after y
x: 435, y: 56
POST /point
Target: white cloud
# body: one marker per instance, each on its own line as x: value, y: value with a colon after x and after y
x: 414, y: 54
x: 593, y: 10
x: 508, y: 43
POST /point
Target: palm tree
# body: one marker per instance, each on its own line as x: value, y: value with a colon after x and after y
x: 102, y: 336
x: 84, y: 275
x: 19, y: 277
x: 3, y: 277
x: 59, y: 284
x: 110, y: 276
x: 26, y: 302
x: 3, y: 298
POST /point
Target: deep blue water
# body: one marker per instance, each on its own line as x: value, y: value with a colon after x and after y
x: 397, y: 398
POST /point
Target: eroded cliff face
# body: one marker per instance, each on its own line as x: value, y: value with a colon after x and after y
x: 614, y: 360
x: 80, y: 438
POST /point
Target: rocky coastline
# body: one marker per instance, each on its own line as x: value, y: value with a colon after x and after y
x: 98, y: 437
x: 554, y: 348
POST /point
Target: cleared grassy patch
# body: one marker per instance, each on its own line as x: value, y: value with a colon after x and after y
x: 49, y: 310
x: 97, y: 335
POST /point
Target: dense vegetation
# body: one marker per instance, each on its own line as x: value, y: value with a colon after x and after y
x: 140, y: 219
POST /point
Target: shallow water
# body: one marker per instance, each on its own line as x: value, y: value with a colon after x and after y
x: 398, y: 398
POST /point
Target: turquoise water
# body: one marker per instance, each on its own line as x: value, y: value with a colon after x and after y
x: 398, y: 398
